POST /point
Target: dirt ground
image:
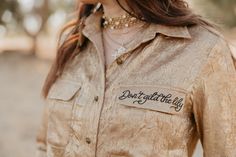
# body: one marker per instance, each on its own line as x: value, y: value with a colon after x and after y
x: 21, y: 78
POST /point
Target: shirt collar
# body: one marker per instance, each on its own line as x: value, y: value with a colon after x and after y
x: 93, y: 26
x: 93, y: 31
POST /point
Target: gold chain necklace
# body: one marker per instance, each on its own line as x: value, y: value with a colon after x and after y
x: 123, y: 21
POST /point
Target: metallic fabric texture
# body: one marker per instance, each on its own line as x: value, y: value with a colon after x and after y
x: 173, y: 86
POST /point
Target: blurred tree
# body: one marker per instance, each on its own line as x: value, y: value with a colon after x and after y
x: 227, y: 9
x: 221, y: 11
x: 8, y: 9
x: 33, y: 17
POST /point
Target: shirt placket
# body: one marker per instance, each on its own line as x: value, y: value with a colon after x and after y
x: 112, y: 72
x: 108, y: 78
x: 110, y: 75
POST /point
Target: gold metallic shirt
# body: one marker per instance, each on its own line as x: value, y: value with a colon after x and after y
x: 173, y: 86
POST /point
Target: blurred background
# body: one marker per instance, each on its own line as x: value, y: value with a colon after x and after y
x: 28, y: 39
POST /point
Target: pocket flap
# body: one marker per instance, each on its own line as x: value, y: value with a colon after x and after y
x: 157, y: 98
x: 64, y: 89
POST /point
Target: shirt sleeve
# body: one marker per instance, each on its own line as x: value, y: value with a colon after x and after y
x: 214, y: 103
x: 42, y: 134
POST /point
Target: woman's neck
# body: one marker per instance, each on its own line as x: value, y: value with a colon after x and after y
x: 112, y: 8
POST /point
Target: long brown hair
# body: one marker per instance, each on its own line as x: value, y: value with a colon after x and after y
x: 166, y: 12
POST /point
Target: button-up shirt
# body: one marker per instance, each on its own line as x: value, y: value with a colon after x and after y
x: 173, y: 86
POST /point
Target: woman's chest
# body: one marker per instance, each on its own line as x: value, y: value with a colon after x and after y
x: 152, y: 79
x: 142, y: 100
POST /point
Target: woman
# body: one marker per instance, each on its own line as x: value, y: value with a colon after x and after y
x: 139, y: 79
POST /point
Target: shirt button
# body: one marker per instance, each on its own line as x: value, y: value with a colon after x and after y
x: 88, y: 140
x: 96, y: 98
x: 119, y: 61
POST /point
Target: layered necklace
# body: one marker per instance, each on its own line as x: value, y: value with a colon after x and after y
x: 120, y: 22
x: 123, y: 21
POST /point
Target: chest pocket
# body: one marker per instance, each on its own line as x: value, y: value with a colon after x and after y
x: 156, y: 98
x: 61, y: 101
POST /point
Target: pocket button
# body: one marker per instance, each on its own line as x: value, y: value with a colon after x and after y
x: 119, y: 61
x: 88, y: 140
x: 96, y: 98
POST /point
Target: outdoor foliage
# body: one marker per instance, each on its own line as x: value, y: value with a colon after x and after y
x: 221, y: 11
x: 32, y: 17
x: 9, y: 8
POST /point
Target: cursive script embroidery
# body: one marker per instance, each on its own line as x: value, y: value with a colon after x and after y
x: 141, y: 98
